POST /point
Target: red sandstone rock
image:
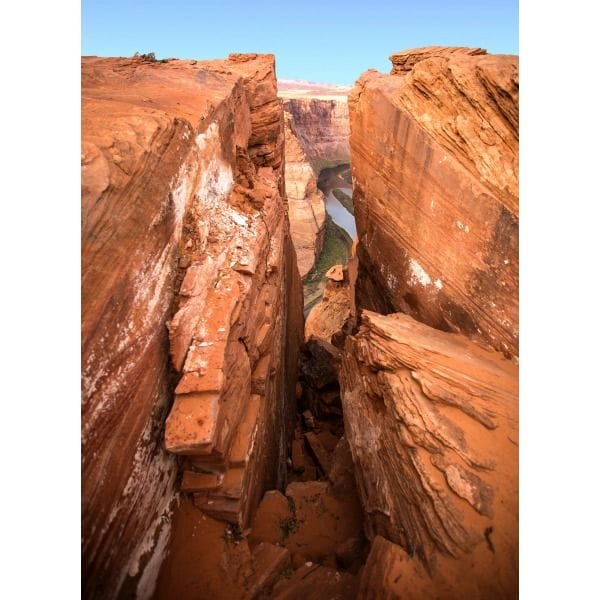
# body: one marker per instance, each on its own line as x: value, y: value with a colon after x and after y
x: 273, y: 511
x: 306, y: 206
x: 311, y: 519
x: 297, y: 456
x: 336, y: 273
x: 204, y: 559
x: 434, y: 164
x: 196, y: 482
x: 390, y: 573
x: 230, y: 332
x: 330, y: 316
x: 321, y: 454
x: 431, y: 419
x: 181, y: 169
x: 269, y: 561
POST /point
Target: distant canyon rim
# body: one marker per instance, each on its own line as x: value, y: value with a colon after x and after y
x: 300, y: 329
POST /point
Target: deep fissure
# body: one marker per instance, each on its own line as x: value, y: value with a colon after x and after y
x: 341, y: 450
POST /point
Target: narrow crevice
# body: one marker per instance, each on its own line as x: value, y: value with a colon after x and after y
x: 340, y: 231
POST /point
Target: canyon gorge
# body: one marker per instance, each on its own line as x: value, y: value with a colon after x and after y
x: 300, y: 329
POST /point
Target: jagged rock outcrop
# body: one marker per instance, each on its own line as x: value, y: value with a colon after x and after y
x: 230, y: 417
x: 432, y: 422
x: 403, y: 62
x: 329, y: 317
x: 434, y: 162
x: 320, y: 117
x: 183, y: 224
x: 306, y: 204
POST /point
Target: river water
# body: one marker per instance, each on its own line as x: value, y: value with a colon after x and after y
x: 329, y: 180
x: 339, y: 214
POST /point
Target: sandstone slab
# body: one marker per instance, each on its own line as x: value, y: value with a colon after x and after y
x: 182, y: 174
x: 435, y: 171
x: 432, y: 422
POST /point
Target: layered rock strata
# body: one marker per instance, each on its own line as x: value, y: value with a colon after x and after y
x: 183, y: 224
x: 230, y: 417
x: 320, y: 117
x: 434, y: 163
x: 432, y: 422
x: 306, y: 205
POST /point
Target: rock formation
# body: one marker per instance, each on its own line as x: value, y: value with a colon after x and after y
x: 320, y: 117
x: 431, y: 419
x: 378, y: 459
x: 306, y: 205
x: 184, y: 224
x: 333, y: 312
x: 434, y: 162
x: 429, y: 397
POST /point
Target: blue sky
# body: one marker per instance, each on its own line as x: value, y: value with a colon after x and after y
x: 329, y: 41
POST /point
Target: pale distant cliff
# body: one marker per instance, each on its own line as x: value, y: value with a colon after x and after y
x: 320, y: 115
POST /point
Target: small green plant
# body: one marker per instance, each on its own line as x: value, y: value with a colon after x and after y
x: 288, y: 526
x: 149, y: 57
x: 232, y: 533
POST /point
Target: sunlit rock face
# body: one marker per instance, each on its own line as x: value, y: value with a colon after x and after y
x: 306, y: 205
x: 190, y: 291
x: 435, y: 170
x: 320, y: 116
x: 429, y: 397
x: 432, y: 423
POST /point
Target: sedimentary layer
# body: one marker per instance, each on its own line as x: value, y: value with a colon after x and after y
x: 431, y: 420
x: 306, y: 205
x: 184, y: 224
x: 434, y: 163
x: 320, y: 117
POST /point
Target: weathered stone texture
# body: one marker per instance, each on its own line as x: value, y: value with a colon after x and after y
x: 434, y: 163
x: 432, y: 421
x: 182, y: 174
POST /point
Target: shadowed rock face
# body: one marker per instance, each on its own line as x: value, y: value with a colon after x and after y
x: 431, y: 420
x: 184, y: 225
x: 192, y: 321
x: 434, y: 162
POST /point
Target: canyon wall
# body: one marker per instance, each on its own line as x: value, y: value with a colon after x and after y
x: 190, y: 286
x: 306, y: 205
x: 429, y: 397
x: 320, y: 116
x: 434, y: 162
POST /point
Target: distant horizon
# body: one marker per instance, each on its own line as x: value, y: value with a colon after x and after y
x: 312, y: 42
